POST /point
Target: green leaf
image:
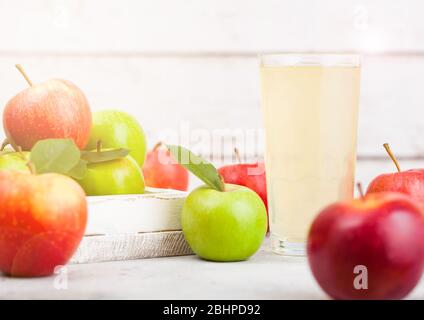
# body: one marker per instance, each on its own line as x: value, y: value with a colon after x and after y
x: 200, y: 167
x: 55, y: 155
x: 78, y: 172
x: 103, y: 156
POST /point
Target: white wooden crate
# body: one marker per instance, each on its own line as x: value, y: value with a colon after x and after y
x: 129, y: 227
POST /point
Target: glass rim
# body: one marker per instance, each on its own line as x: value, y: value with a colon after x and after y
x: 309, y: 59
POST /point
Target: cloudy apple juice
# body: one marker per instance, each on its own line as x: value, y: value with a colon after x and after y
x: 310, y: 106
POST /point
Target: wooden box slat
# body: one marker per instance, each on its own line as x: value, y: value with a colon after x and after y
x: 127, y: 227
x: 131, y: 246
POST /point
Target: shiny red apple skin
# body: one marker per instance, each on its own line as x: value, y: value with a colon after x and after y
x: 410, y: 182
x: 52, y: 109
x: 42, y: 221
x: 251, y: 175
x: 160, y: 170
x: 383, y: 231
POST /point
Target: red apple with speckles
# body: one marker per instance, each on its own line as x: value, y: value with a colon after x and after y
x: 409, y: 182
x: 42, y: 221
x: 251, y: 175
x: 51, y: 109
x: 368, y: 248
x: 160, y: 170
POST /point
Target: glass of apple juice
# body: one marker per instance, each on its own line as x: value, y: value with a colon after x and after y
x: 310, y: 107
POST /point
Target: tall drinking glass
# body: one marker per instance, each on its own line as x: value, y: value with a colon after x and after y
x: 310, y: 106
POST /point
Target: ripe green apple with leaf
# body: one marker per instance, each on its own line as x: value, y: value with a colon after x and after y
x: 117, y: 129
x: 52, y: 109
x: 111, y: 172
x: 43, y: 214
x: 99, y: 172
x: 221, y: 222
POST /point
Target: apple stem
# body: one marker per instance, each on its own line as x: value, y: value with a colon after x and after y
x: 18, y: 149
x: 158, y: 145
x: 392, y: 156
x: 237, y: 154
x: 360, y: 190
x: 99, y: 145
x: 4, y: 144
x: 21, y: 70
x: 223, y: 182
x: 31, y: 167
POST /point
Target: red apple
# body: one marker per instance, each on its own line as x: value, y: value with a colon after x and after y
x: 160, y: 170
x: 410, y: 182
x: 52, y: 109
x: 368, y: 248
x: 251, y: 175
x: 42, y: 221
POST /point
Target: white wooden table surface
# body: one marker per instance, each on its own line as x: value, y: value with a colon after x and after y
x: 264, y: 276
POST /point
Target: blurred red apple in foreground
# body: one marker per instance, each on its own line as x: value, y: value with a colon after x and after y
x: 251, y: 175
x: 52, y: 109
x: 160, y: 170
x: 410, y: 182
x: 368, y: 248
x: 42, y: 221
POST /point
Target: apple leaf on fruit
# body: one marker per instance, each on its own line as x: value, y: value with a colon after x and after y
x: 103, y: 156
x: 200, y: 167
x: 57, y: 155
x: 78, y: 172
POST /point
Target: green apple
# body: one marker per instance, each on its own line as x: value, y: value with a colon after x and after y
x: 119, y: 176
x: 117, y: 129
x: 227, y: 225
x: 14, y: 161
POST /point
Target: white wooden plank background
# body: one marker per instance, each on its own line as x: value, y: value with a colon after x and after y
x: 240, y: 26
x: 172, y: 94
x: 191, y: 65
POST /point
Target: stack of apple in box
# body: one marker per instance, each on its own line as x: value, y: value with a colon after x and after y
x: 56, y: 153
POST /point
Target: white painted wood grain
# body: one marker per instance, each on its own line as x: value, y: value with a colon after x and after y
x: 157, y: 210
x: 131, y: 246
x: 125, y: 227
x: 189, y: 66
x: 196, y: 100
x: 210, y: 25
